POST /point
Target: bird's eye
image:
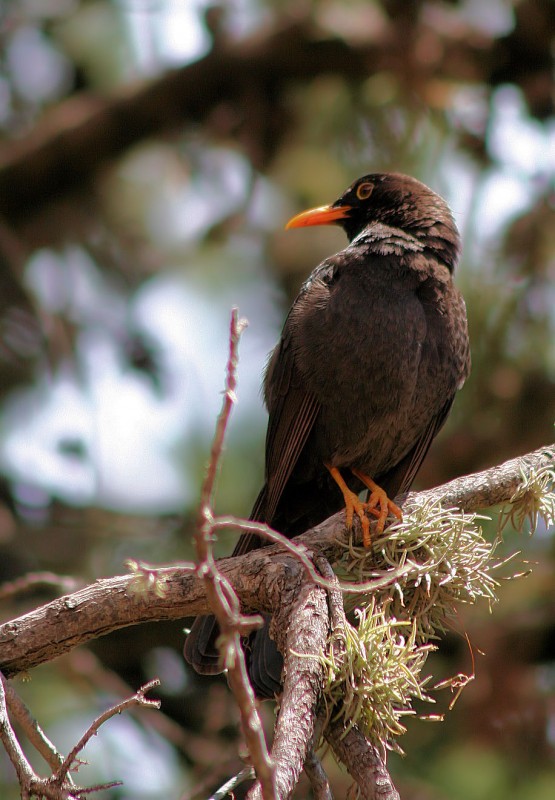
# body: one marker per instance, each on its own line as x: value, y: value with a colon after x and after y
x: 364, y: 191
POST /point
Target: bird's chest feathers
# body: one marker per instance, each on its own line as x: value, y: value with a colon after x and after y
x: 361, y: 336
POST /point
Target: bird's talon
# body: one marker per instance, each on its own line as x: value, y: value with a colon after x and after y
x: 378, y: 502
x: 353, y: 504
x: 349, y: 508
x: 366, y: 536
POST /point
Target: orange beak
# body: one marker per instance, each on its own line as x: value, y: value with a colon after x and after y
x: 323, y: 215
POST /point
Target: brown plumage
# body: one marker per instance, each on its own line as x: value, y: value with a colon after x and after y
x: 370, y: 358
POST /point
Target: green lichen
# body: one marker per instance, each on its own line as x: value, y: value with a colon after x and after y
x: 374, y: 670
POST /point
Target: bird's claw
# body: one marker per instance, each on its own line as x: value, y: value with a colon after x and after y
x: 377, y: 504
x: 379, y: 500
x: 354, y: 505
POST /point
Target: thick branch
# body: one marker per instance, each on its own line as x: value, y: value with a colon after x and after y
x: 257, y: 578
x: 363, y: 761
x: 70, y: 145
x: 301, y: 625
x: 491, y: 487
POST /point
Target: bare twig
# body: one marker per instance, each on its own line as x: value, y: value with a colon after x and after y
x: 31, y: 728
x: 84, y: 667
x: 25, y: 774
x: 31, y: 784
x: 223, y: 600
x: 137, y: 699
x: 301, y: 554
x: 246, y: 774
x: 236, y: 328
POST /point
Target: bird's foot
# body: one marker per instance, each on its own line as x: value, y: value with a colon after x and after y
x: 378, y: 502
x: 354, y: 505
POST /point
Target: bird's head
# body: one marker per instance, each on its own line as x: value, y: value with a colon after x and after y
x: 397, y: 201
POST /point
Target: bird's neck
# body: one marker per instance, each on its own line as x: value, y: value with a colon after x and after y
x: 387, y: 240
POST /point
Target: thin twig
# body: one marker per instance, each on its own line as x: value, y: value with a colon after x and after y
x: 246, y: 774
x: 83, y: 666
x: 236, y: 328
x: 300, y: 553
x: 31, y: 785
x: 222, y: 598
x: 31, y: 728
x: 137, y: 699
x: 25, y: 773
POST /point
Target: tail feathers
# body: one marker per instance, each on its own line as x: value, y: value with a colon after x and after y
x: 264, y: 660
x: 265, y: 664
x: 200, y: 647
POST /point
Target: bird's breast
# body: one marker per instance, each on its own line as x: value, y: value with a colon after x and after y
x: 365, y: 350
x: 362, y: 339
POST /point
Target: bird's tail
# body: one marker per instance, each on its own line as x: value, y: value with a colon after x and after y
x: 200, y: 646
x: 265, y: 662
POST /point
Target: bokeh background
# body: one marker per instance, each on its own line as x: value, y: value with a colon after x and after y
x: 151, y: 152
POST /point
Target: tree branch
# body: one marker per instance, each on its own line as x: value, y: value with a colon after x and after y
x: 300, y: 626
x: 273, y: 579
x: 493, y: 486
x: 112, y: 603
x: 363, y: 761
x: 69, y: 145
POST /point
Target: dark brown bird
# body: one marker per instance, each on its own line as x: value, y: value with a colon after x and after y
x: 371, y: 356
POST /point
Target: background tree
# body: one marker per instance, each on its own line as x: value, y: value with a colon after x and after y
x: 150, y: 155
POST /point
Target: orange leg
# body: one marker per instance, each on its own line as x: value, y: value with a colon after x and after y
x: 353, y: 504
x: 378, y: 499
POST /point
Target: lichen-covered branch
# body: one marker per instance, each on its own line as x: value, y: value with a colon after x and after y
x: 112, y: 603
x: 491, y: 487
x: 301, y: 626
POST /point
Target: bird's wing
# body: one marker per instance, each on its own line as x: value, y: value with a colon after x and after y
x: 292, y: 414
x: 399, y: 478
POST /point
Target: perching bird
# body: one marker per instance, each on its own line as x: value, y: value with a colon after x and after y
x: 371, y: 356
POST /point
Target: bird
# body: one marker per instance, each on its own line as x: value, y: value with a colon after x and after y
x: 371, y: 356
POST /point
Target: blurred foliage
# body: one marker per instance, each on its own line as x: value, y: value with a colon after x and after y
x: 126, y: 238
